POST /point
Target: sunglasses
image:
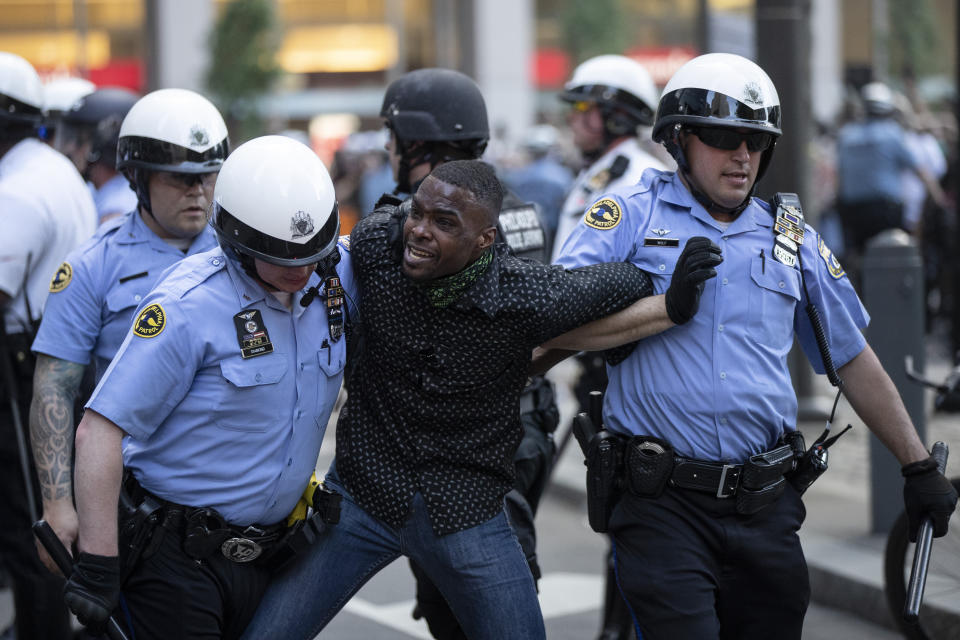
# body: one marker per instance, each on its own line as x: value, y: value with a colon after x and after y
x: 187, y: 180
x: 581, y: 106
x: 728, y: 139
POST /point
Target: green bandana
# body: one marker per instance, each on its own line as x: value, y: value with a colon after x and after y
x: 445, y: 290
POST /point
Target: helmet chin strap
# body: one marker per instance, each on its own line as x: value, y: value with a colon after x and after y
x: 683, y: 168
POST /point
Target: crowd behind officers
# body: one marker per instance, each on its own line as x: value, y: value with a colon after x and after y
x: 241, y: 320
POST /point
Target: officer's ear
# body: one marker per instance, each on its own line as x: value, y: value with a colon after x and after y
x: 486, y: 238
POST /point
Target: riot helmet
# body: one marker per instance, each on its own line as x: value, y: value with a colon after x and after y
x: 90, y: 128
x: 21, y: 94
x: 172, y: 130
x: 435, y: 115
x: 274, y: 201
x: 622, y: 89
x: 717, y: 90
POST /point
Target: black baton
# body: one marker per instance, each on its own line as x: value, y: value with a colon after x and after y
x: 921, y: 555
x: 58, y: 552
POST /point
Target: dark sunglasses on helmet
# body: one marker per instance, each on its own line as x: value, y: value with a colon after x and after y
x: 187, y: 180
x: 730, y: 139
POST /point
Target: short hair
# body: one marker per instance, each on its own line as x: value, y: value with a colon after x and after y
x: 478, y: 178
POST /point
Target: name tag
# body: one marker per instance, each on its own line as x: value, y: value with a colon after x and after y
x: 661, y: 242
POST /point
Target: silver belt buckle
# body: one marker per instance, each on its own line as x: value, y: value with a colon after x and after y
x: 723, y: 481
x: 240, y: 550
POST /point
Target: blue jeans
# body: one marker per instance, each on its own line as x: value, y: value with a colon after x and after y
x: 481, y: 572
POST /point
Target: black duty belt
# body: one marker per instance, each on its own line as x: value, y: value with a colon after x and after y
x: 725, y: 480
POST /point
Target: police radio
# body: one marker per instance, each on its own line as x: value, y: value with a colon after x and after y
x: 789, y: 229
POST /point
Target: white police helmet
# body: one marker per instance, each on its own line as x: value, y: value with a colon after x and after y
x: 274, y: 200
x: 614, y: 81
x: 173, y: 130
x: 61, y: 93
x: 878, y: 99
x: 718, y: 90
x: 21, y: 92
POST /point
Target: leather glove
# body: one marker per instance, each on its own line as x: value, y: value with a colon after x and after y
x: 694, y: 267
x: 927, y: 492
x: 93, y: 590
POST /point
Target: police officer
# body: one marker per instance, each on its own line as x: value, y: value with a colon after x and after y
x: 611, y: 101
x: 88, y: 135
x: 173, y: 143
x: 216, y: 405
x: 435, y: 116
x: 59, y: 94
x: 45, y: 212
x: 705, y: 538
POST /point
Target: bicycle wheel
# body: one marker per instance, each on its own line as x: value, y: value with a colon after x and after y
x: 943, y: 579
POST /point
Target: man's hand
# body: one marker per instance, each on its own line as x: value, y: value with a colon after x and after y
x: 694, y: 267
x: 927, y: 492
x: 62, y: 518
x: 93, y: 590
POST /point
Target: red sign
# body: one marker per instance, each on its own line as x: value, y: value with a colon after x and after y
x: 662, y: 62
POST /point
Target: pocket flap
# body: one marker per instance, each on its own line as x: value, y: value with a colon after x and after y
x: 254, y: 371
x: 774, y: 276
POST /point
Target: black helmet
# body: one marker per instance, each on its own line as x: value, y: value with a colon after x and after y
x: 96, y: 118
x: 435, y: 105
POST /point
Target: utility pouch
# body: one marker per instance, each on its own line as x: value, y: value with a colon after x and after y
x: 604, y: 469
x: 750, y: 501
x: 296, y: 540
x: 810, y: 467
x: 139, y: 519
x: 649, y: 463
x: 205, y: 531
x: 765, y: 469
x: 326, y: 504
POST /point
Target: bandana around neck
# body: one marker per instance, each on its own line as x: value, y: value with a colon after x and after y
x: 445, y: 290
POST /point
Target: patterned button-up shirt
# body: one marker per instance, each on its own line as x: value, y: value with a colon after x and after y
x: 433, y: 403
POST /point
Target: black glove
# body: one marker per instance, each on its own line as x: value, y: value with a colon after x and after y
x: 93, y: 590
x: 927, y: 492
x: 694, y: 267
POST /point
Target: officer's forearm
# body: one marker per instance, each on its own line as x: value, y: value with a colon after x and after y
x: 55, y: 384
x: 544, y: 359
x: 643, y: 318
x: 99, y: 471
x: 874, y: 397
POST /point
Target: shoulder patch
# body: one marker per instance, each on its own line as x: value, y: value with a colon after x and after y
x: 603, y: 215
x: 61, y: 278
x: 833, y: 265
x: 150, y: 322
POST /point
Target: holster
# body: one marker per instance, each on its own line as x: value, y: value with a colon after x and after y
x: 604, y: 472
x: 140, y: 515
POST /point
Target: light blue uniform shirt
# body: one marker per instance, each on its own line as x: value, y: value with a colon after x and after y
x: 207, y: 427
x: 110, y: 274
x: 114, y: 196
x: 718, y: 387
x: 870, y: 158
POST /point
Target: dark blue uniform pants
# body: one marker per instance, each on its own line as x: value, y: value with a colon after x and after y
x: 689, y: 566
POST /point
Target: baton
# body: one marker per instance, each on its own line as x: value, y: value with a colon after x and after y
x: 921, y: 554
x: 58, y: 552
x: 10, y: 382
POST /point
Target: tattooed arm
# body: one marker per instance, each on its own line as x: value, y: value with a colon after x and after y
x: 55, y: 385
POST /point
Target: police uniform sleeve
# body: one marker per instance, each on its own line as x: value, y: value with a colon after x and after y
x: 153, y: 369
x: 72, y: 316
x: 604, y: 233
x: 842, y: 314
x: 23, y: 238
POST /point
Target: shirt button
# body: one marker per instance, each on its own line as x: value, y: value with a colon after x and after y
x: 663, y: 267
x: 720, y: 328
x: 723, y: 421
x: 302, y: 365
x: 782, y: 284
x: 723, y: 375
x: 724, y: 281
x: 258, y: 377
x: 289, y: 462
x: 137, y: 297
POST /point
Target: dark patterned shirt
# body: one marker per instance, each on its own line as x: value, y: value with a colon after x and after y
x: 433, y: 404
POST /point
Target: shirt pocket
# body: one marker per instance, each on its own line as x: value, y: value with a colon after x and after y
x: 773, y: 303
x: 659, y: 262
x: 332, y: 358
x: 251, y: 393
x: 127, y: 295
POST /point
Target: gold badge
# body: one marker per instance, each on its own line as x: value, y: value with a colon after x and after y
x: 61, y: 278
x: 603, y: 215
x: 150, y: 322
x: 833, y: 265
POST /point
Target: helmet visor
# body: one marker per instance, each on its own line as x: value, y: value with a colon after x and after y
x: 149, y: 153
x: 248, y: 240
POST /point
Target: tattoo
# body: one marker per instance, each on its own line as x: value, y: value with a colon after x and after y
x: 55, y: 385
